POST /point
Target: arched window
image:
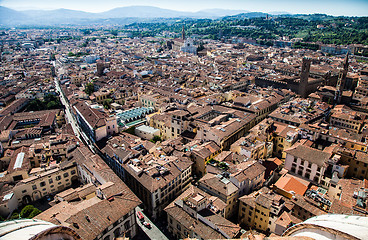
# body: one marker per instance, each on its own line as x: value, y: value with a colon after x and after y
x: 117, y: 232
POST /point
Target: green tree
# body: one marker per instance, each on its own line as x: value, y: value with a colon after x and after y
x: 15, y: 215
x: 50, y: 97
x: 107, y: 103
x: 29, y: 211
x: 26, y: 211
x: 35, y: 105
x: 90, y: 88
x: 156, y: 139
x: 114, y: 32
x: 53, y: 105
x: 34, y: 213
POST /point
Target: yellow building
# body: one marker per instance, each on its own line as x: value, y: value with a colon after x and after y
x: 260, y: 210
x: 152, y: 100
x: 356, y: 160
x: 251, y: 147
x: 101, y: 95
x: 171, y: 124
x: 221, y: 187
x: 202, y: 154
x: 42, y: 182
x: 186, y: 219
x: 284, y: 137
x: 343, y: 117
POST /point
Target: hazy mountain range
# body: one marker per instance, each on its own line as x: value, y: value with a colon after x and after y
x: 10, y: 17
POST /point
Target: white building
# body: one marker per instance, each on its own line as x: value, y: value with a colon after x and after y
x: 146, y: 132
x: 95, y: 124
x: 307, y: 162
x: 189, y: 47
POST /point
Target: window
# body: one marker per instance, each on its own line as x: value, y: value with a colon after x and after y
x: 51, y: 181
x: 42, y: 184
x: 117, y: 232
x: 72, y: 172
x: 178, y: 227
x: 127, y: 225
x: 24, y: 191
x: 66, y: 175
x: 34, y: 187
x: 57, y: 178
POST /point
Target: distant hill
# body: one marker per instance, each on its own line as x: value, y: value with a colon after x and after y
x: 220, y: 12
x: 10, y: 16
x: 279, y: 13
x: 246, y: 15
x: 58, y: 14
x: 126, y: 15
x: 141, y: 12
x: 314, y: 17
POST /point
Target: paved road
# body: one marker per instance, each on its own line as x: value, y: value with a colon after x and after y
x: 71, y: 119
x: 153, y: 233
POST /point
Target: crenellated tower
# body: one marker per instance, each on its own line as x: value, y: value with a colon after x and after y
x: 341, y: 80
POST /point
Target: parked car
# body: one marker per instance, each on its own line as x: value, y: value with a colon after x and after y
x: 140, y: 216
x: 147, y: 225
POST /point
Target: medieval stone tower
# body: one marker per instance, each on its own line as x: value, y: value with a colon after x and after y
x: 341, y: 80
x: 303, y: 84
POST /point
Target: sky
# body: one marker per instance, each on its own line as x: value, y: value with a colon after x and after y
x: 331, y: 7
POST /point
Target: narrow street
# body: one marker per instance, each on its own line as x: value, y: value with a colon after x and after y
x: 153, y: 232
x: 71, y: 119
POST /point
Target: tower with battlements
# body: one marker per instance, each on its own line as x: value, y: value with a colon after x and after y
x: 341, y: 80
x: 304, y: 76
